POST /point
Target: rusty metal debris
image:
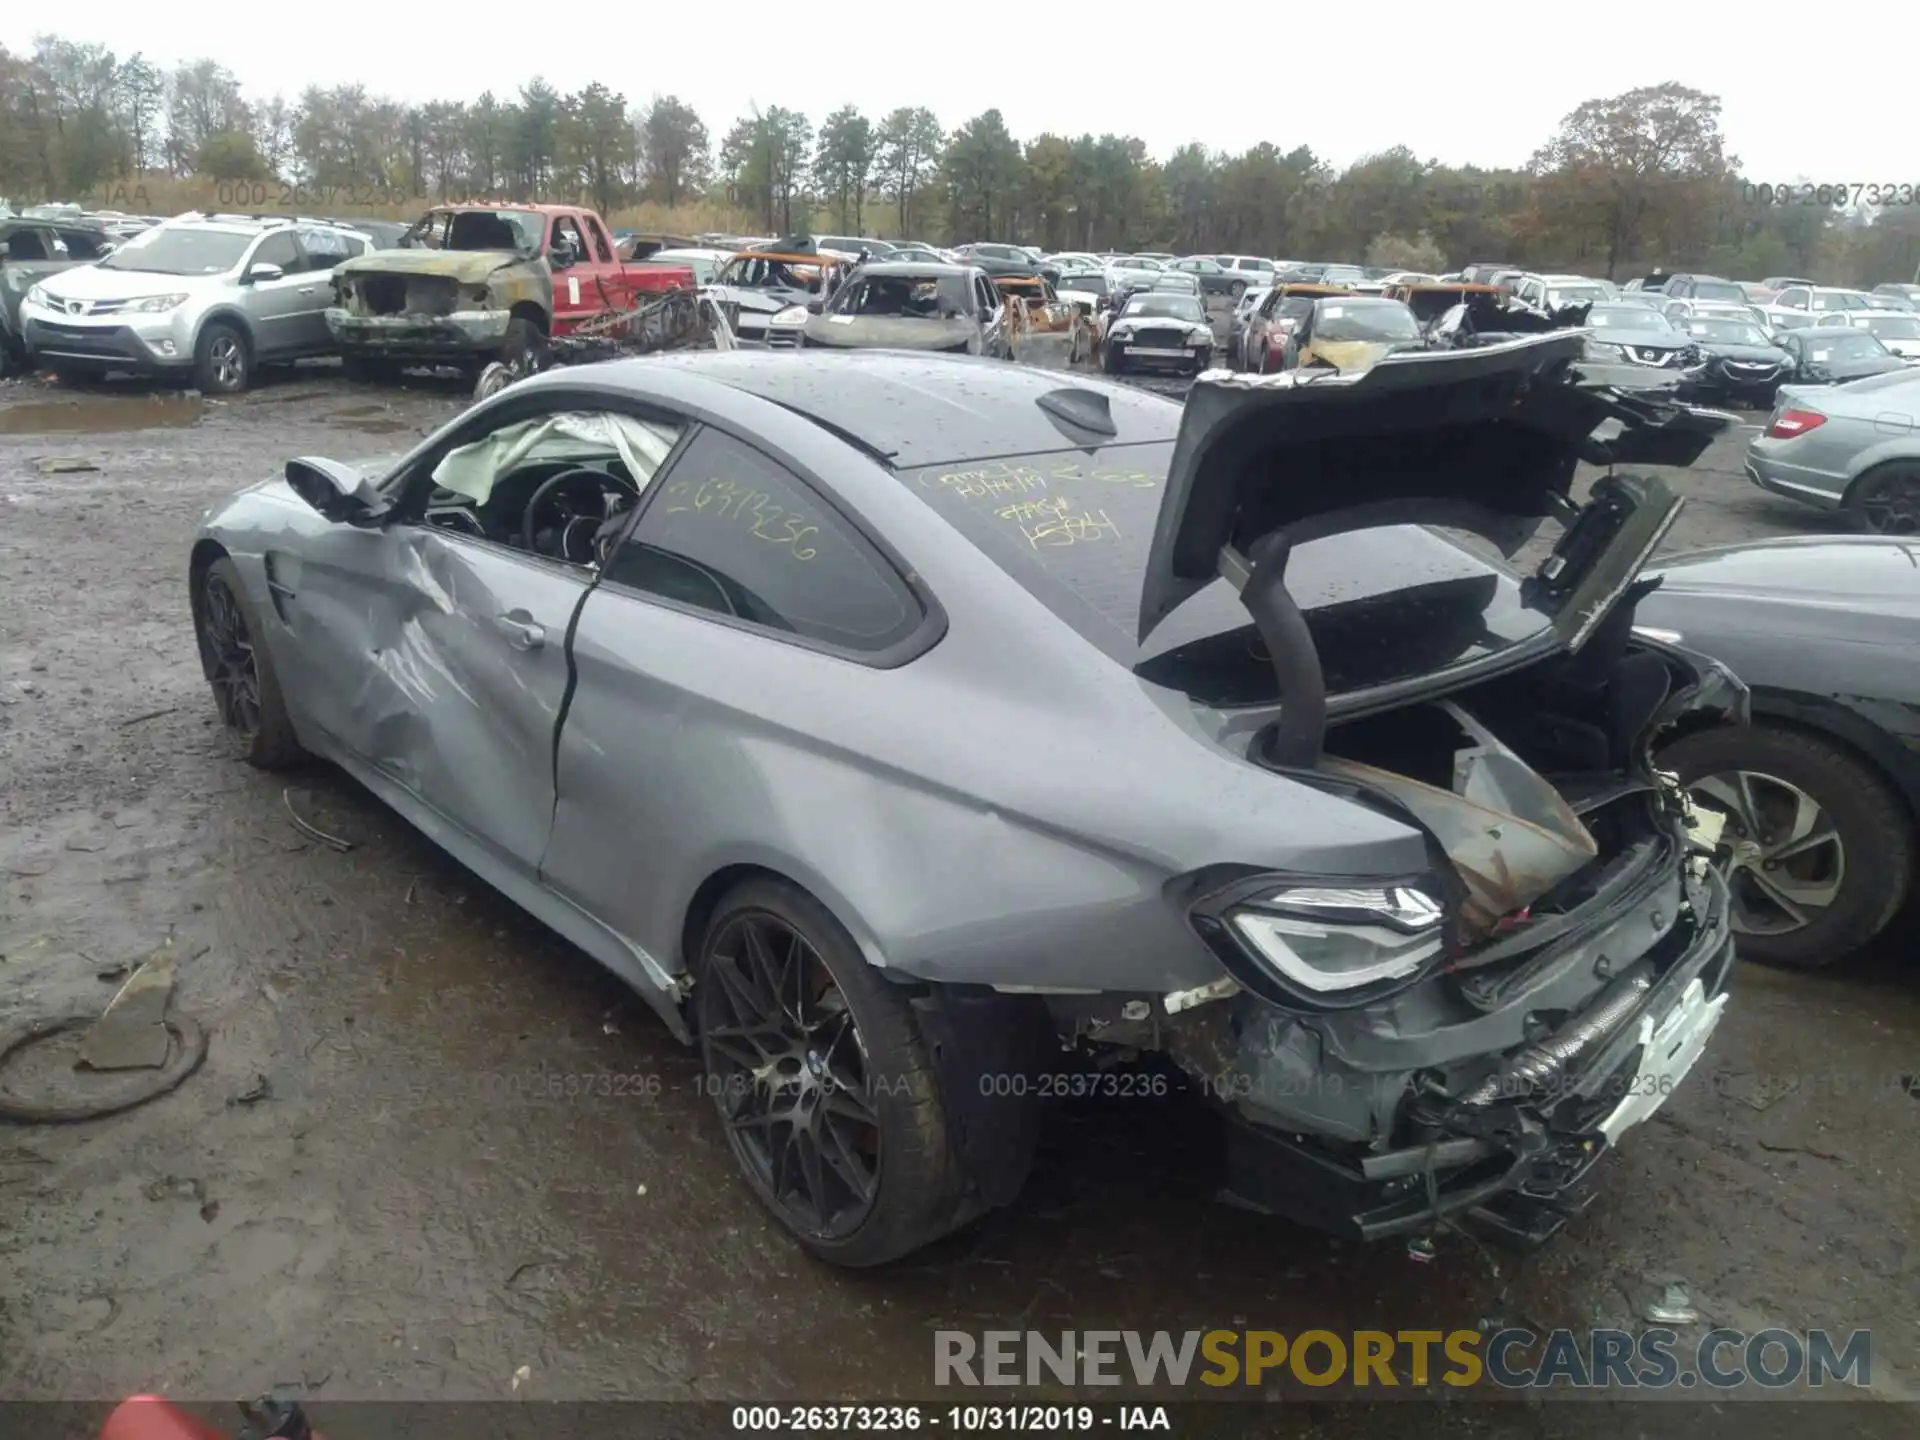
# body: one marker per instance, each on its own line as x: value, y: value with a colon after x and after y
x: 308, y: 828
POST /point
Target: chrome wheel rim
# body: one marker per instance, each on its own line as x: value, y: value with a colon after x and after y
x: 226, y: 650
x: 1783, y: 856
x: 228, y: 365
x: 788, y: 1068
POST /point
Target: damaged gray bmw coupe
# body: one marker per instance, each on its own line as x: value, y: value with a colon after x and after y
x: 890, y: 721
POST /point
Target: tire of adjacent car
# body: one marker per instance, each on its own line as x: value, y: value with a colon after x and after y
x: 1869, y: 487
x: 271, y: 744
x: 1237, y: 289
x: 922, y: 1186
x: 524, y: 345
x: 1876, y: 831
x: 221, y: 339
x: 1110, y: 359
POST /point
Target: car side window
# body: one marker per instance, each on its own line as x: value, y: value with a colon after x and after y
x: 279, y: 249
x: 602, y: 252
x: 733, y: 531
x: 989, y: 296
x: 1792, y: 299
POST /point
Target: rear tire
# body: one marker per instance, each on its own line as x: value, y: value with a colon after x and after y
x: 1886, y: 500
x: 815, y: 1078
x: 1863, y: 874
x: 1236, y: 290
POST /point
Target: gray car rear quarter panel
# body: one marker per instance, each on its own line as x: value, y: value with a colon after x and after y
x: 1005, y: 809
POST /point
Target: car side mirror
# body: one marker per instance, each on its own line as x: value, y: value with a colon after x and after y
x: 340, y: 493
x: 261, y: 270
x: 3, y: 250
x: 816, y: 307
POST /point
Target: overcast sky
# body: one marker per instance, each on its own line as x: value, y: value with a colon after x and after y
x: 1373, y: 77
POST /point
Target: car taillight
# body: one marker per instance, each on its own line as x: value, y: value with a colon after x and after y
x: 1789, y: 423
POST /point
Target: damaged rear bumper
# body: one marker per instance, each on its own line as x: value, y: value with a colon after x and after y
x: 396, y: 337
x: 1519, y: 1166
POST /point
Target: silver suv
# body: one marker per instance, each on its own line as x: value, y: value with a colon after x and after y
x: 216, y: 295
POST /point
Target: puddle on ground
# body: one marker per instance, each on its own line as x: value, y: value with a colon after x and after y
x: 101, y: 415
x: 368, y: 420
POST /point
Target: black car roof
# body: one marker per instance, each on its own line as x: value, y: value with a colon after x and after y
x: 927, y: 409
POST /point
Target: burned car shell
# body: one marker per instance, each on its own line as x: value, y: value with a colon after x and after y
x: 492, y: 287
x: 750, y: 304
x: 709, y: 746
x: 978, y: 325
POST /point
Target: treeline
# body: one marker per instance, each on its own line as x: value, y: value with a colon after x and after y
x: 1624, y: 182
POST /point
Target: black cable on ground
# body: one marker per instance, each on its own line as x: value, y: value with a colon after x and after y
x: 189, y: 1049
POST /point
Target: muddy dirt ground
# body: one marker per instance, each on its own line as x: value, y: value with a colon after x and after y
x: 349, y: 1199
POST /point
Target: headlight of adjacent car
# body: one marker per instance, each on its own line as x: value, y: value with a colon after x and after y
x: 1327, y: 938
x: 1199, y: 336
x: 156, y: 304
x: 1120, y: 332
x: 37, y: 295
x: 793, y: 315
x: 1599, y: 350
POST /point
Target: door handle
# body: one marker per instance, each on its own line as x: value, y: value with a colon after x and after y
x: 520, y: 630
x: 309, y: 289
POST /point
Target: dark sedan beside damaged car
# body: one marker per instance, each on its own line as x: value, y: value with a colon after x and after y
x: 729, y: 650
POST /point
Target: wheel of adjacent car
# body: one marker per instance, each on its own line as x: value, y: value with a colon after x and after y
x: 1202, y: 360
x: 824, y: 1085
x: 524, y: 349
x: 1886, y: 500
x: 1821, y: 846
x: 1237, y: 289
x: 246, y: 691
x: 1110, y: 359
x: 222, y: 359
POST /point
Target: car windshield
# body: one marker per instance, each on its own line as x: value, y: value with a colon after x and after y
x: 1088, y: 284
x: 1172, y: 307
x: 1558, y: 295
x: 1073, y: 528
x: 1844, y: 345
x: 170, y: 250
x: 1342, y: 275
x: 1725, y: 332
x: 1352, y: 320
x: 702, y: 266
x: 761, y: 272
x: 1834, y: 301
x: 1626, y: 317
x: 518, y: 230
x: 1139, y: 262
x: 998, y: 252
x: 913, y: 297
x: 1895, y: 327
x: 1718, y: 290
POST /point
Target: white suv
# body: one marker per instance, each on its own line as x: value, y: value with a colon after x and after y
x: 214, y: 295
x: 1249, y: 272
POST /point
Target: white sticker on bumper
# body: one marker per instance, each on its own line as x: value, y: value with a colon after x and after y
x: 1667, y: 1052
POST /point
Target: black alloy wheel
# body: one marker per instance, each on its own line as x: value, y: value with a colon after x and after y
x: 246, y: 691
x: 827, y: 1091
x: 1886, y: 500
x: 226, y: 649
x: 787, y: 1064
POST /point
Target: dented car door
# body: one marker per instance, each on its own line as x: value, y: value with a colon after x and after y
x: 440, y: 660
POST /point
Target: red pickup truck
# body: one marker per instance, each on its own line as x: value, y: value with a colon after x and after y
x: 472, y: 283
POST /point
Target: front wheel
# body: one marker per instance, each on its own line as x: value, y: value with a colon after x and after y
x: 1819, y: 848
x: 222, y: 361
x: 824, y: 1085
x: 246, y: 690
x: 524, y: 350
x: 1886, y: 500
x: 1237, y: 289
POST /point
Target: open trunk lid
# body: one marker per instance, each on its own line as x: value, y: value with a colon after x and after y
x: 1485, y: 440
